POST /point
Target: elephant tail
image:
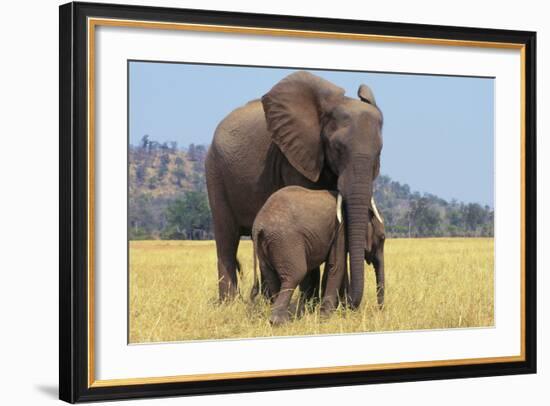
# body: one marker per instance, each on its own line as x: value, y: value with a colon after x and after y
x: 256, y: 284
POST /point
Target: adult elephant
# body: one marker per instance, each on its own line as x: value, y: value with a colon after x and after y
x: 303, y: 132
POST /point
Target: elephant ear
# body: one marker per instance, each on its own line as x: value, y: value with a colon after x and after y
x: 366, y: 95
x: 294, y: 109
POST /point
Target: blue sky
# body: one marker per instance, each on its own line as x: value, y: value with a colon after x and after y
x: 438, y: 130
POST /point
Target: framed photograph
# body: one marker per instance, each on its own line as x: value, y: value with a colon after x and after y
x: 258, y: 202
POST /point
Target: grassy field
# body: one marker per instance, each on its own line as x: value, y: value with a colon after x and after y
x: 430, y: 284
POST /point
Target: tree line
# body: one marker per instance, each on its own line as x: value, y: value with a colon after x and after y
x: 168, y: 200
x: 167, y: 192
x: 410, y: 214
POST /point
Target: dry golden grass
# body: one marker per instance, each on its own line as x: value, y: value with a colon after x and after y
x: 430, y: 284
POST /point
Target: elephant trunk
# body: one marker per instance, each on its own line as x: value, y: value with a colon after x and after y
x: 357, y: 219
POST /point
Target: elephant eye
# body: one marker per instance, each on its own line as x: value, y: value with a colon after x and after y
x: 330, y: 126
x: 337, y: 143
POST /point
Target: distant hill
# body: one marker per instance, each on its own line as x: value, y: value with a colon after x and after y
x: 164, y: 171
x: 168, y: 200
x: 167, y: 191
x: 411, y: 214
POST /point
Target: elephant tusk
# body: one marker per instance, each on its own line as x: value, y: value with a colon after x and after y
x: 375, y: 210
x: 339, y: 208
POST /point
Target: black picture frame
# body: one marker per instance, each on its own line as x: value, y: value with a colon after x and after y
x: 74, y: 383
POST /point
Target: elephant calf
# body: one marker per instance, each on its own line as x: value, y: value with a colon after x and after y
x: 297, y: 230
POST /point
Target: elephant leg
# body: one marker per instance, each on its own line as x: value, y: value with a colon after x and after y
x: 270, y: 283
x: 315, y: 278
x: 335, y: 272
x: 380, y: 280
x: 343, y: 291
x: 324, y: 282
x: 309, y: 289
x: 330, y: 297
x: 226, y: 233
x: 226, y: 247
x: 279, y: 311
x: 291, y: 269
x: 227, y: 242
